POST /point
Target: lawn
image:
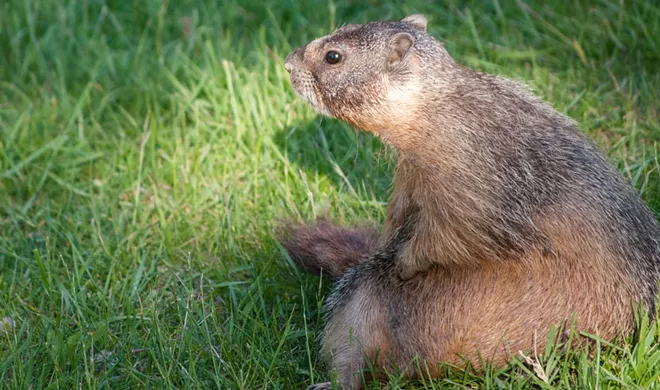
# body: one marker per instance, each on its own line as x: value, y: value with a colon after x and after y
x: 149, y: 148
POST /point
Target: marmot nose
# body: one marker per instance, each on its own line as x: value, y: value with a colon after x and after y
x: 287, y: 65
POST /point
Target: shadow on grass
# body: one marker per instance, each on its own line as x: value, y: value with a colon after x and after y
x: 352, y: 161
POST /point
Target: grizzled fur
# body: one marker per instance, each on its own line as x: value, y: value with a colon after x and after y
x: 513, y: 220
x: 326, y: 249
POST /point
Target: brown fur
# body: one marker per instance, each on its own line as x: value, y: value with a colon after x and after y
x: 504, y: 220
x: 461, y: 315
x: 326, y: 249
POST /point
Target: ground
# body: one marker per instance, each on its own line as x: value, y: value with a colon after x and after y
x: 148, y: 150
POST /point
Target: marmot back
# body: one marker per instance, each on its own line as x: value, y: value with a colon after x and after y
x: 504, y: 219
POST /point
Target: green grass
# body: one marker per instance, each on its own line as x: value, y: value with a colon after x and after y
x: 148, y: 149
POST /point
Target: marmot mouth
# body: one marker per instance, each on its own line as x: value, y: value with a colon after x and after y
x: 305, y: 87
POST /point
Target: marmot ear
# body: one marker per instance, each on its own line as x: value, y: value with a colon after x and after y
x: 400, y: 45
x: 417, y: 20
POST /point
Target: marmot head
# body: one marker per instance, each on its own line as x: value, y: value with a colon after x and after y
x: 369, y: 75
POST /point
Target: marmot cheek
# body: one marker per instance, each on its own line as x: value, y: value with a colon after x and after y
x: 296, y: 83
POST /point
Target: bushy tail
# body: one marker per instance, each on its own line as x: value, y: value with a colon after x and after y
x: 326, y: 249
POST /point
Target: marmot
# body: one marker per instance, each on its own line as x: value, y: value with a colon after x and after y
x: 504, y: 219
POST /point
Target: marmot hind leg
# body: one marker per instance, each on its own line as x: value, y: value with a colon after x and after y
x: 356, y: 339
x: 327, y: 249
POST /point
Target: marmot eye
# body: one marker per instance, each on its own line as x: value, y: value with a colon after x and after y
x: 333, y: 57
